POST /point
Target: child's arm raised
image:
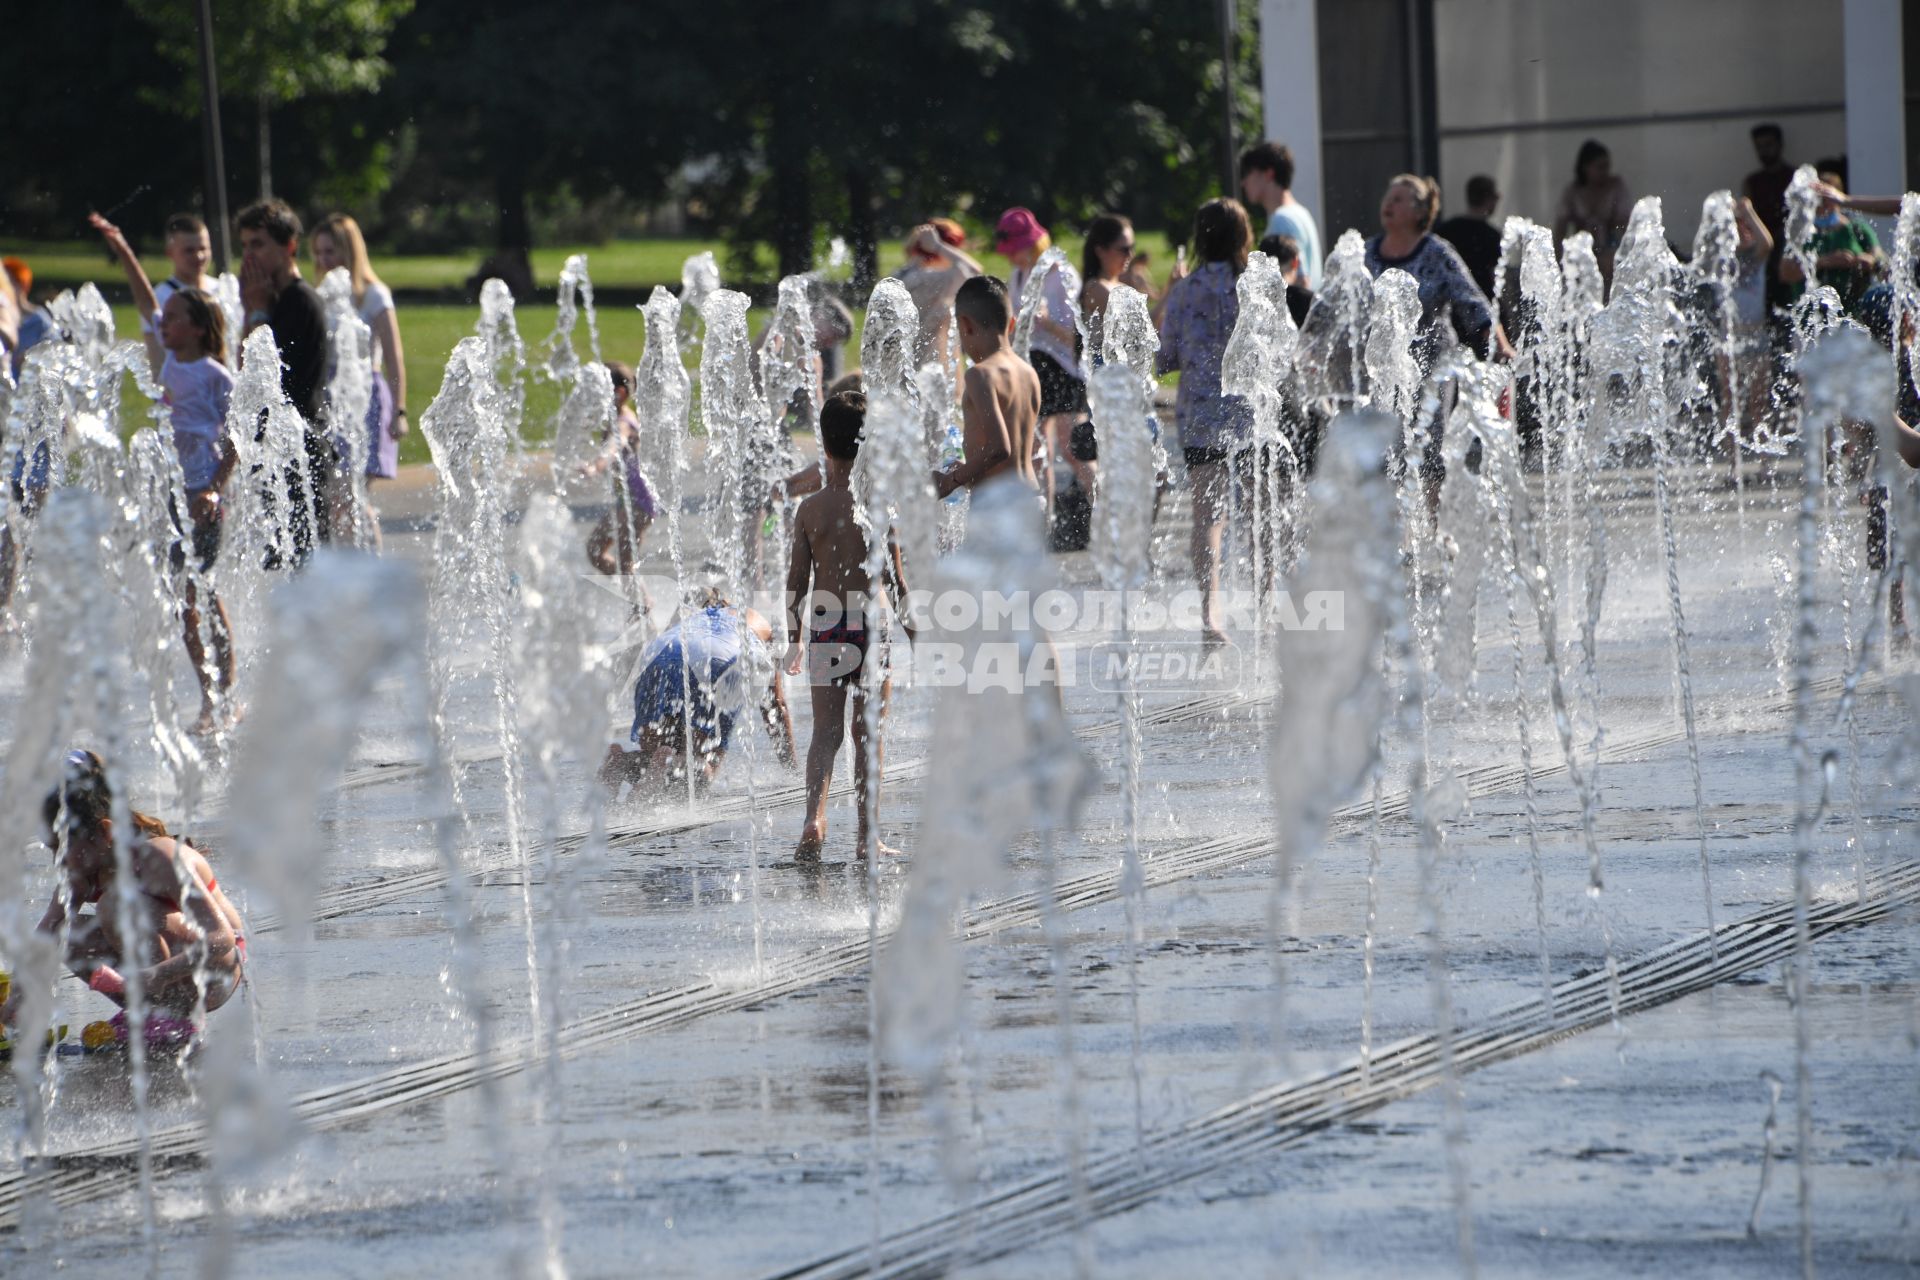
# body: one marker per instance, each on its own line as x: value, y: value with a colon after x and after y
x: 1752, y: 231
x: 144, y: 298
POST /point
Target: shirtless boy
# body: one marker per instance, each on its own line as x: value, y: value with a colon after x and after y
x: 828, y: 582
x: 1000, y: 402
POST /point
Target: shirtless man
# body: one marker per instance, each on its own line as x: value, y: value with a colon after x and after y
x: 828, y: 582
x: 189, y: 947
x: 1000, y: 403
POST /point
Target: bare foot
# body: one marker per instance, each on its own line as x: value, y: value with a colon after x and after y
x: 886, y: 850
x: 812, y: 840
x: 1214, y: 639
x: 209, y: 721
x: 617, y: 769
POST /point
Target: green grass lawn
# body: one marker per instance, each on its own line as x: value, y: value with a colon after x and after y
x: 630, y: 263
x: 429, y: 334
x: 623, y: 263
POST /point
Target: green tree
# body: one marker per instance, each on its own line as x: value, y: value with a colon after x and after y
x: 854, y: 115
x: 271, y: 53
x: 518, y: 103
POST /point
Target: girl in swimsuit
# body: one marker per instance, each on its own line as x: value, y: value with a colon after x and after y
x: 187, y: 943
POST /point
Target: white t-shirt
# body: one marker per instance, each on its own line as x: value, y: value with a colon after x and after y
x: 377, y: 299
x: 1294, y: 220
x: 1056, y: 304
x: 198, y: 392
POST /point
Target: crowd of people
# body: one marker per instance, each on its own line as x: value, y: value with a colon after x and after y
x: 1025, y: 423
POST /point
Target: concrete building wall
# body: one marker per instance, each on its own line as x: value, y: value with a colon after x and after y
x: 1670, y: 86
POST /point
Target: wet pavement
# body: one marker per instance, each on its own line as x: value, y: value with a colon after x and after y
x: 710, y: 1116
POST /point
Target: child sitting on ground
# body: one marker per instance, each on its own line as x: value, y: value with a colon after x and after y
x: 1000, y: 403
x: 828, y: 582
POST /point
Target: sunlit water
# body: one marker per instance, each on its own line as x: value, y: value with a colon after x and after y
x: 644, y: 1041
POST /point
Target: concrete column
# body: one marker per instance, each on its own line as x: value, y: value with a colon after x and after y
x: 1876, y: 105
x: 1290, y: 93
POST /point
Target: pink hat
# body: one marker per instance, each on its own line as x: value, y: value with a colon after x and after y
x: 1018, y: 229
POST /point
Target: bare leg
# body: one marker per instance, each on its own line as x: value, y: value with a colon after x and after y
x: 9, y: 557
x: 829, y: 728
x: 869, y: 840
x: 1209, y: 525
x: 630, y: 543
x: 218, y: 680
x: 89, y: 945
x: 1060, y: 445
x: 373, y: 520
x: 341, y: 513
x: 1053, y: 434
x: 1431, y: 480
x: 648, y: 765
x: 1260, y: 492
x: 600, y: 547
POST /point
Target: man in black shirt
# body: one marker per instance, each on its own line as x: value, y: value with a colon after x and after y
x: 1473, y: 232
x: 276, y: 296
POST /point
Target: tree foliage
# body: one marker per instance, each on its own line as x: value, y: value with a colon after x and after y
x: 277, y: 50
x: 781, y: 125
x: 883, y: 112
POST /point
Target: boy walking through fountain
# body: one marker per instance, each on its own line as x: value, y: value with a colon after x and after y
x: 1000, y: 402
x: 828, y: 578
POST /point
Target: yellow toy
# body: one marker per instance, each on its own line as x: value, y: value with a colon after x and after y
x: 54, y: 1034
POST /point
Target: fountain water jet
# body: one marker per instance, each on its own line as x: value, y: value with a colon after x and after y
x: 467, y: 427
x: 1632, y: 350
x: 1014, y: 768
x: 1325, y: 742
x: 349, y: 392
x: 1122, y: 531
x: 506, y: 356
